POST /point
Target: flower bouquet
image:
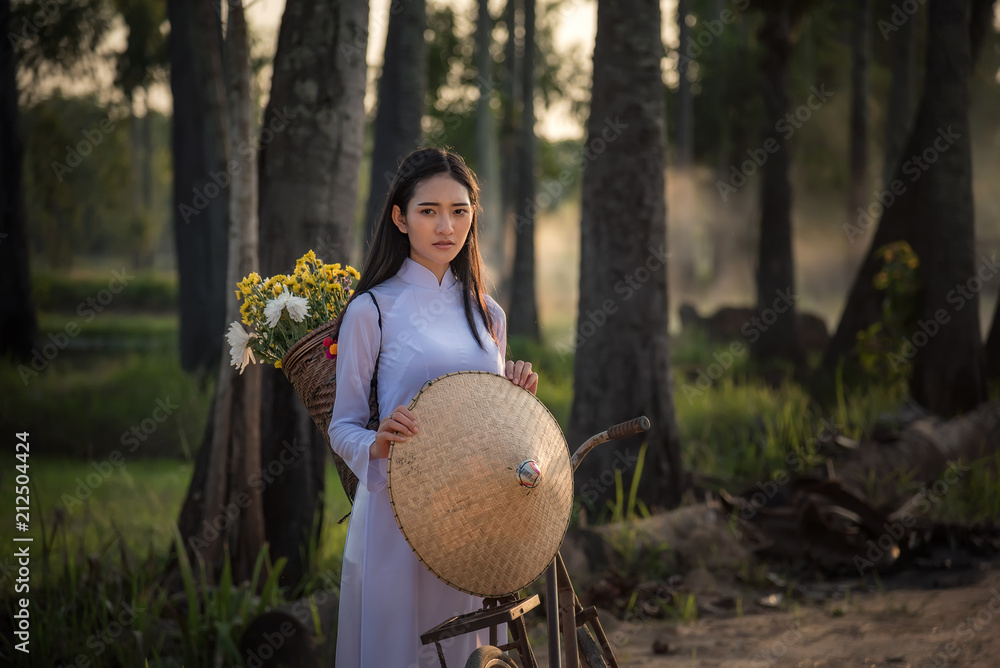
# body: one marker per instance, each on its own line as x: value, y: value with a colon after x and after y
x: 291, y: 325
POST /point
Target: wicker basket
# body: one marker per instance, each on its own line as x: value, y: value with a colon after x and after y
x: 314, y: 378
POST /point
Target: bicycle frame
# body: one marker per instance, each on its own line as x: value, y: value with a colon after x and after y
x: 561, y: 604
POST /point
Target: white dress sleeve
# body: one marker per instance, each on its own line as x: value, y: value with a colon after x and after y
x: 357, y: 349
x: 501, y: 319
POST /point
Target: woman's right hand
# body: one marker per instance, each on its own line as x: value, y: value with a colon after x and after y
x: 399, y: 424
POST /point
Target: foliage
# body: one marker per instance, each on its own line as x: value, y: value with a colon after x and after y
x: 76, y: 147
x: 453, y: 80
x: 555, y: 376
x: 881, y: 347
x: 56, y: 35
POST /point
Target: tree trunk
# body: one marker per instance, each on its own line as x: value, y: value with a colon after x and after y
x: 201, y: 206
x: 902, y: 201
x: 508, y: 140
x: 523, y: 309
x: 685, y: 133
x: 309, y: 168
x: 948, y: 371
x: 899, y: 114
x: 861, y: 20
x: 234, y: 456
x: 777, y: 337
x: 487, y: 159
x: 18, y: 321
x: 622, y: 363
x: 401, y: 91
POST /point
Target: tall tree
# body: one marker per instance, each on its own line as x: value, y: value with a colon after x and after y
x: 145, y: 54
x: 775, y: 261
x: 948, y: 370
x: 509, y: 122
x: 18, y: 320
x: 860, y: 48
x: 899, y: 215
x: 899, y: 110
x: 523, y: 308
x: 685, y: 110
x: 201, y: 205
x: 308, y: 193
x: 487, y: 159
x: 33, y: 37
x: 401, y: 91
x: 622, y: 363
x: 234, y: 449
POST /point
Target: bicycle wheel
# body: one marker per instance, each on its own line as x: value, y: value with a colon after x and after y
x: 489, y: 656
x: 591, y: 655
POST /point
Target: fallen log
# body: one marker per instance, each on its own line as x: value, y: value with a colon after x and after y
x: 829, y: 523
x: 925, y: 447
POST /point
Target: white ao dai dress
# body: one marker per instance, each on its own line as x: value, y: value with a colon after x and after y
x: 388, y: 597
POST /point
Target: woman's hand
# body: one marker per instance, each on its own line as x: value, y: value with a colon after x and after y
x: 399, y: 424
x: 520, y: 373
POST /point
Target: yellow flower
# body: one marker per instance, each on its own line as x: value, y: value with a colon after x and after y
x: 277, y: 365
x: 913, y: 263
x: 353, y: 272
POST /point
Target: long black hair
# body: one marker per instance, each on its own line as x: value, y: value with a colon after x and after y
x: 390, y: 247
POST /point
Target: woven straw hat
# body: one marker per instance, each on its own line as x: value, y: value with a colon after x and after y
x: 483, y: 492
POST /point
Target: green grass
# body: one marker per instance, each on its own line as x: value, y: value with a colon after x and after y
x: 66, y: 291
x: 82, y: 505
x: 87, y: 405
x: 162, y: 327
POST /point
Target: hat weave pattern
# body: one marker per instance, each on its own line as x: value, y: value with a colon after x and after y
x: 454, y: 485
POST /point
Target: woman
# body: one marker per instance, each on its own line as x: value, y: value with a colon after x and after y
x: 426, y: 276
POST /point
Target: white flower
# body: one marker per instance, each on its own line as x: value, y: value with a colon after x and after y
x: 273, y: 308
x: 239, y: 351
x: 298, y: 308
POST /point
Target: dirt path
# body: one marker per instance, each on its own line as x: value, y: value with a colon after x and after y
x: 918, y: 621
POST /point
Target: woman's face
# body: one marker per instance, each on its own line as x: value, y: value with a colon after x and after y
x: 437, y: 220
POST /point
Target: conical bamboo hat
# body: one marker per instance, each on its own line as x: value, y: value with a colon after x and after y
x: 483, y: 493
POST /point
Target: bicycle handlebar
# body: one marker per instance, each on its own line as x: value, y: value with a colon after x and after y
x: 619, y: 431
x: 634, y: 426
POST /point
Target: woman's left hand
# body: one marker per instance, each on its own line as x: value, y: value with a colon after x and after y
x: 520, y: 373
